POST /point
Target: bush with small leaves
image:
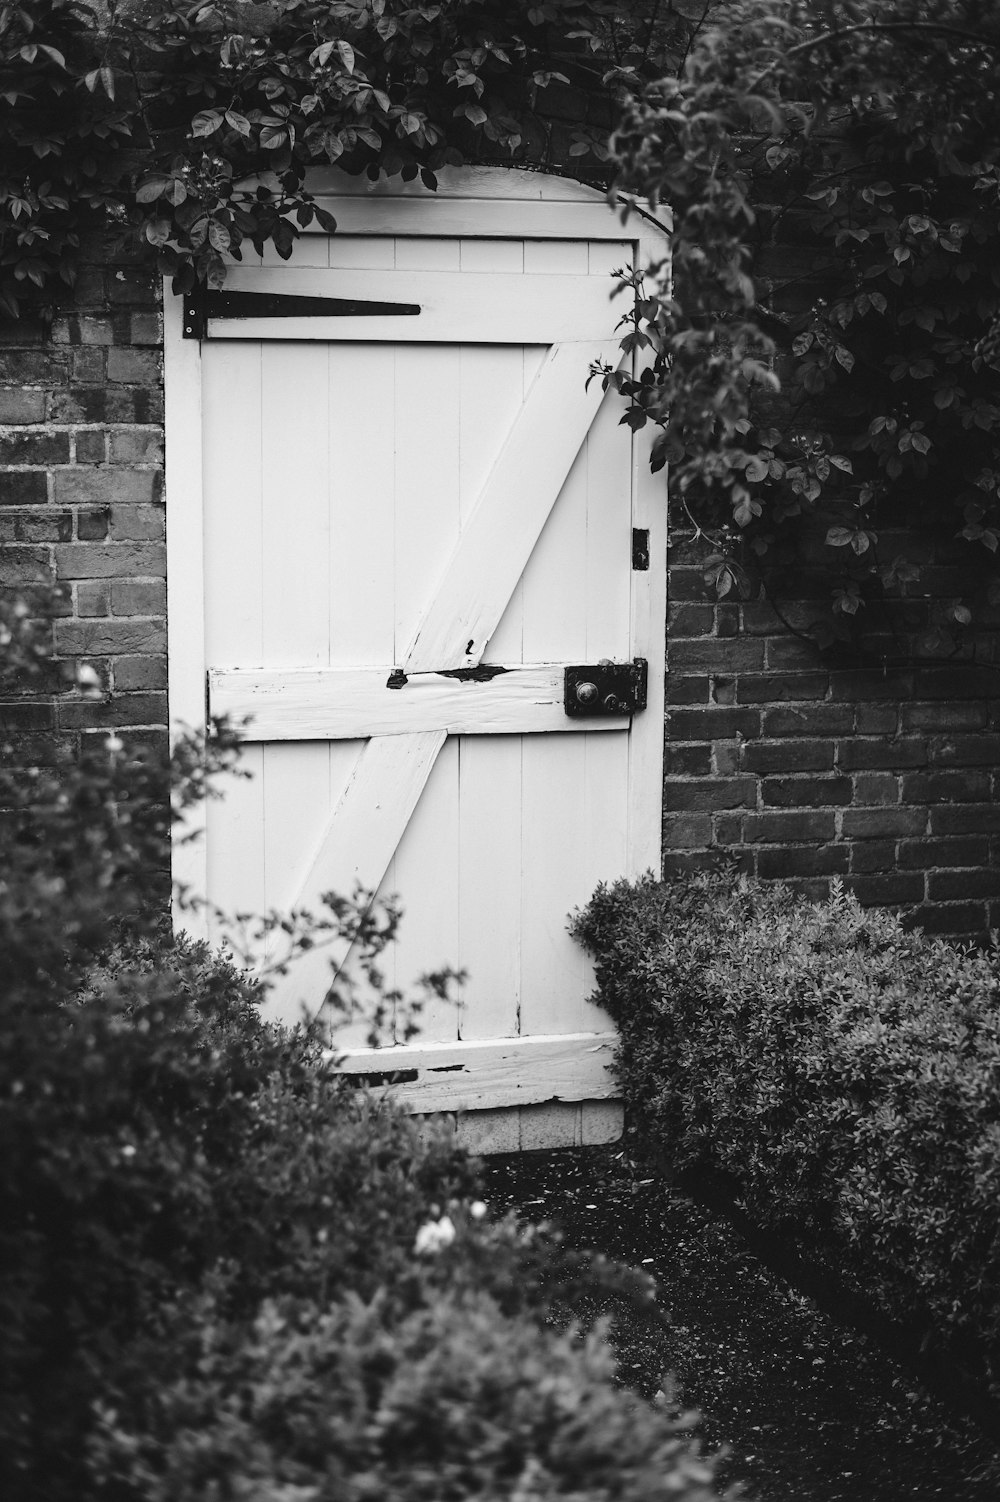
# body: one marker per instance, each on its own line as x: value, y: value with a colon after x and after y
x: 224, y: 1270
x: 841, y: 1073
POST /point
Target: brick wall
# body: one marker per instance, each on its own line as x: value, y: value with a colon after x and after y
x: 805, y: 770
x: 81, y: 500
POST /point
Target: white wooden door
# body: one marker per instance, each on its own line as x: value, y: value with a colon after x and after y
x: 364, y: 506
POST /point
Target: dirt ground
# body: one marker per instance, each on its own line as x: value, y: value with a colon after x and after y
x: 807, y: 1410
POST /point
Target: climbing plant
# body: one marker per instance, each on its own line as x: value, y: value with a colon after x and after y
x: 833, y: 167
x: 191, y: 126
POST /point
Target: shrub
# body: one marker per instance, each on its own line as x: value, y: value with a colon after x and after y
x: 453, y: 1401
x: 224, y: 1271
x: 844, y: 1075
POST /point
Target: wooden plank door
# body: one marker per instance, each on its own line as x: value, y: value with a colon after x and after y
x: 410, y: 523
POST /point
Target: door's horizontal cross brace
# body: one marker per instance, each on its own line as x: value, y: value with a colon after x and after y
x: 505, y: 1072
x: 304, y: 704
x: 202, y: 306
x: 468, y: 307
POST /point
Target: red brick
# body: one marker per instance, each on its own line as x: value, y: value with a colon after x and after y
x: 686, y: 690
x: 788, y: 756
x: 807, y: 792
x: 110, y: 638
x: 971, y: 850
x: 21, y: 565
x: 107, y: 487
x: 776, y: 828
x: 90, y: 447
x: 682, y: 832
x: 688, y: 761
x: 92, y: 526
x: 137, y: 523
x: 826, y: 860
x: 22, y: 406
x: 32, y: 367
x: 93, y: 597
x: 946, y: 787
x: 876, y: 719
x: 23, y: 487
x: 955, y: 681
x: 709, y: 723
x: 873, y: 855
x: 714, y: 655
x: 967, y: 818
x: 887, y: 888
x: 136, y: 446
x: 861, y: 684
x: 727, y: 758
x: 877, y: 788
x: 690, y: 620
x: 136, y: 673
x: 708, y: 794
x: 48, y: 525
x: 966, y: 751
x: 944, y: 716
x: 28, y: 446
x: 119, y: 560
x: 771, y: 688
x: 862, y: 754
x: 951, y: 918
x: 138, y: 597
x: 883, y: 823
x: 954, y: 886
x: 134, y: 367
x: 791, y: 652
x: 126, y: 709
x: 83, y: 330
x: 814, y: 719
x: 145, y: 328
x: 87, y: 364
x: 690, y: 584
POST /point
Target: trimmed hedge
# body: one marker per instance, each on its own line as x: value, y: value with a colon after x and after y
x: 842, y: 1074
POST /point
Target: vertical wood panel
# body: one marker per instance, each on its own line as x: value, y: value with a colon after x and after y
x: 553, y: 847
x: 607, y: 582
x: 424, y: 873
x: 232, y: 460
x: 296, y: 519
x: 428, y: 383
x: 361, y: 421
x: 489, y: 888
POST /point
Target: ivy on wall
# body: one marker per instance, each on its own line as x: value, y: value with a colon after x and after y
x: 155, y: 115
x: 857, y: 142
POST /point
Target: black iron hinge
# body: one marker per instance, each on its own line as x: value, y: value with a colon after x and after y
x: 204, y: 304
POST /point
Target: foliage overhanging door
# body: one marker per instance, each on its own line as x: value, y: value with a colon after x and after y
x: 412, y: 524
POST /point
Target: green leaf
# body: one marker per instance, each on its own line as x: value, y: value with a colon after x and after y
x: 152, y: 189
x: 347, y: 55
x: 206, y: 123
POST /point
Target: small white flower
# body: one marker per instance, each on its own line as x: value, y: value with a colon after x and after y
x: 128, y: 1151
x: 433, y: 1235
x: 477, y: 1209
x: 115, y: 744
